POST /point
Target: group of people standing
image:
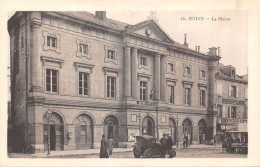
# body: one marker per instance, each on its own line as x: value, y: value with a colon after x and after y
x: 106, y: 147
x: 166, y: 144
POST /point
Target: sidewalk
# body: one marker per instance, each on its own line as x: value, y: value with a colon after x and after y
x: 115, y: 150
x: 77, y: 152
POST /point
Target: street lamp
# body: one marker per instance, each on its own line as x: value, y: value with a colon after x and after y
x: 177, y: 119
x: 48, y: 132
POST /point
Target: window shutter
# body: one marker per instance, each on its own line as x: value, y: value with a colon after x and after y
x: 229, y: 91
x: 229, y: 112
x: 237, y: 93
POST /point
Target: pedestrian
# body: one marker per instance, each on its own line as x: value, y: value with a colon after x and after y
x: 163, y: 142
x: 103, y: 148
x: 169, y: 141
x: 110, y: 145
x: 185, y: 141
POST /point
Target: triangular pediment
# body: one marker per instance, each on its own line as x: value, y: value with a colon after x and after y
x: 150, y: 29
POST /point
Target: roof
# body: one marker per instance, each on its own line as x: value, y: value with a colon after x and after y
x: 92, y: 18
x: 121, y: 26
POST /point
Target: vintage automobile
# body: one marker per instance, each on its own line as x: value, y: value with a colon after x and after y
x: 236, y: 141
x: 146, y: 146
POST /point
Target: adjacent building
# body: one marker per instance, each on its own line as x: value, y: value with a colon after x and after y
x: 232, y: 99
x: 77, y: 75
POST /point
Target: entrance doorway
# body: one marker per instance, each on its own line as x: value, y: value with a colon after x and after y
x: 202, y: 131
x: 111, y: 129
x: 148, y: 126
x: 52, y: 137
x: 173, y: 130
x: 187, y: 129
x: 54, y: 132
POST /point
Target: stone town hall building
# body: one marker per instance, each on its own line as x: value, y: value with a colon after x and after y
x: 101, y: 76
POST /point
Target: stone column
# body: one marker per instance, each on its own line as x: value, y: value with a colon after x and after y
x: 157, y: 77
x: 134, y: 73
x: 127, y: 72
x: 35, y: 58
x: 163, y: 78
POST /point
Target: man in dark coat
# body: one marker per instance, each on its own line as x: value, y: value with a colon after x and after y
x: 163, y: 142
x: 103, y: 148
x: 169, y: 141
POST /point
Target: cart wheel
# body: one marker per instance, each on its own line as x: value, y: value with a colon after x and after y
x: 172, y: 153
x: 137, y: 152
x: 148, y: 154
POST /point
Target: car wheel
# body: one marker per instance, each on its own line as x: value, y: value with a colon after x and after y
x: 148, y: 154
x: 172, y: 153
x: 137, y: 152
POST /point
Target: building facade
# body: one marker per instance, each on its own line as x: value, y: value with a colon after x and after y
x: 232, y: 99
x: 95, y: 76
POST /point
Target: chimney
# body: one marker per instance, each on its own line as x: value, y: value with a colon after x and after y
x: 185, y: 43
x: 101, y: 15
x: 198, y: 48
x: 213, y: 51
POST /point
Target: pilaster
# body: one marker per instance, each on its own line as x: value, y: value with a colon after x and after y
x: 157, y: 77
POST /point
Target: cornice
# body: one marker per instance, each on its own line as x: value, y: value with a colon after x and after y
x: 232, y: 80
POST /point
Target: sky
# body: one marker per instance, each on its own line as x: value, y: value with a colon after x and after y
x: 230, y: 36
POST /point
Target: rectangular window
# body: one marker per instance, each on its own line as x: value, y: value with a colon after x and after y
x: 171, y: 98
x: 83, y: 83
x: 187, y: 70
x: 219, y: 111
x: 202, y: 74
x: 143, y: 61
x: 143, y: 87
x: 111, y: 87
x: 51, y: 41
x: 187, y: 96
x: 233, y: 91
x: 51, y: 80
x: 232, y: 113
x: 83, y: 48
x: 171, y: 67
x: 202, y: 98
x: 111, y: 54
